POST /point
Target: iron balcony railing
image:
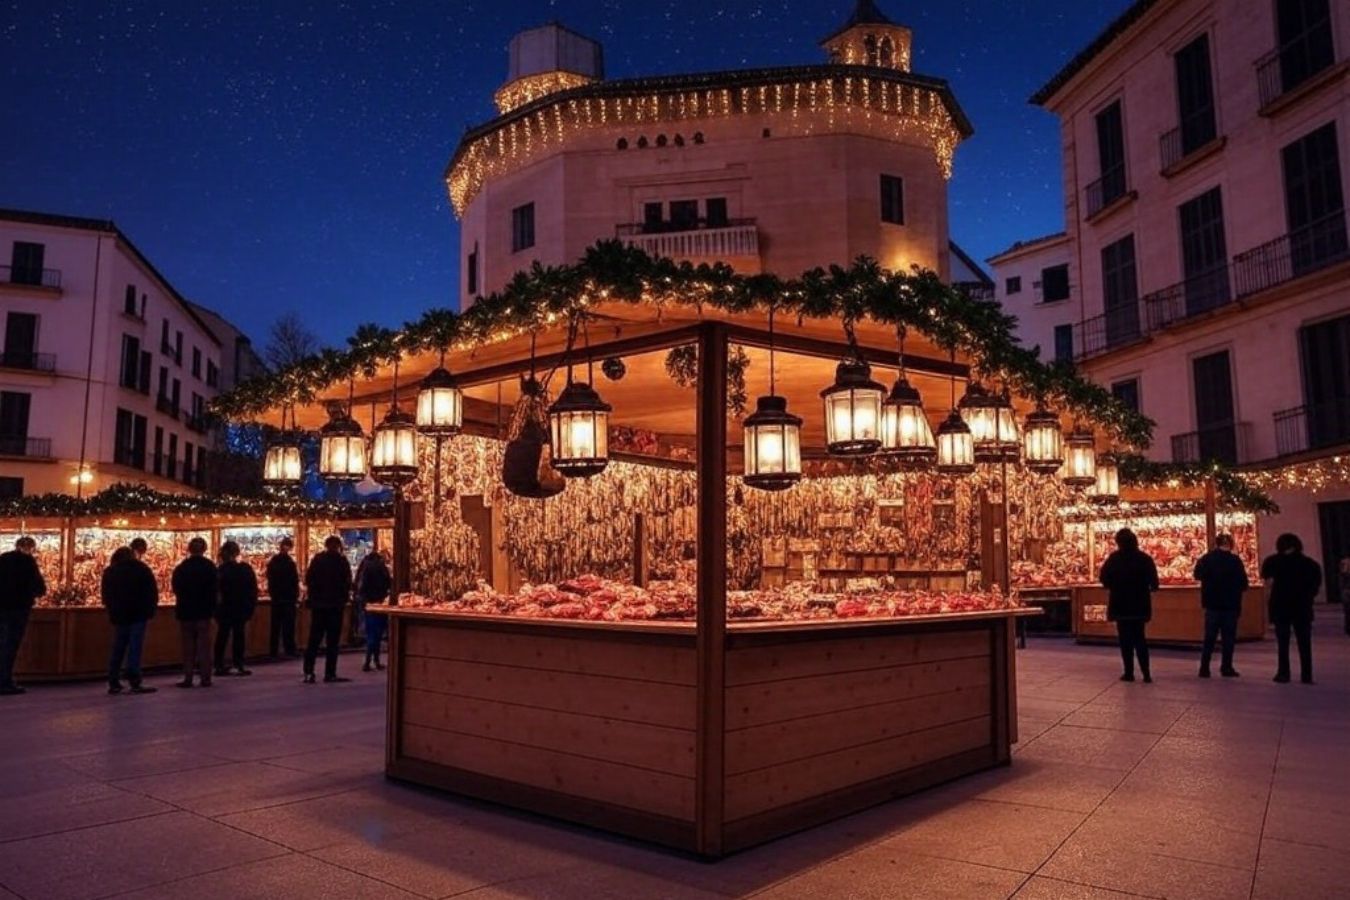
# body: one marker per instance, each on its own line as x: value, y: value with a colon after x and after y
x: 1318, y: 246
x: 1194, y: 132
x: 1106, y: 190
x: 1193, y: 297
x: 167, y: 406
x: 33, y: 277
x: 1226, y: 443
x: 23, y: 445
x: 1312, y: 426
x: 129, y: 456
x: 740, y: 239
x: 28, y: 359
x: 197, y: 422
x: 1295, y: 63
x: 1114, y: 328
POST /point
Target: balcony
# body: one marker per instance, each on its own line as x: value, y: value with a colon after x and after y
x: 1303, y: 252
x: 737, y: 239
x: 31, y: 277
x: 1191, y: 141
x: 1106, y: 191
x: 171, y: 352
x: 1187, y: 299
x: 167, y: 406
x: 1115, y: 328
x: 1226, y: 443
x: 27, y: 360
x: 1314, y: 426
x: 197, y: 422
x: 27, y: 447
x: 1297, y: 68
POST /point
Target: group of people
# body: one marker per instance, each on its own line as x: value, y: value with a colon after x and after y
x: 225, y: 593
x: 1131, y: 578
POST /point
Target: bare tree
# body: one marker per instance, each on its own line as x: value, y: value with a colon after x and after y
x: 289, y: 341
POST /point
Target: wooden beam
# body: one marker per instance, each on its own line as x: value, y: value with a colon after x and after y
x: 809, y: 346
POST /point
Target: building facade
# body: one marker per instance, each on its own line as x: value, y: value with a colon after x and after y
x: 1031, y: 281
x: 106, y: 369
x: 1205, y: 147
x: 769, y: 170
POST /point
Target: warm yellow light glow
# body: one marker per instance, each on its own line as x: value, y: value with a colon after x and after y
x: 282, y: 465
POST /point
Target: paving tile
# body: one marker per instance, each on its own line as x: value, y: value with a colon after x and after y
x: 346, y: 759
x: 588, y: 881
x: 1004, y: 835
x: 1173, y: 830
x: 1041, y: 888
x: 1290, y: 871
x: 148, y: 759
x: 1028, y: 729
x: 1140, y: 714
x: 1036, y: 782
x: 239, y: 786
x: 1320, y: 818
x: 108, y: 859
x: 293, y: 876
x: 1121, y: 867
x: 887, y: 872
x: 75, y: 806
x: 1099, y: 747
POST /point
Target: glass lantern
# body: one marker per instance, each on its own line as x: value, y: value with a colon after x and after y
x: 1080, y: 460
x: 440, y: 404
x: 1106, y: 488
x: 993, y: 425
x: 955, y: 446
x: 853, y: 410
x: 905, y: 433
x: 773, y: 445
x: 282, y: 467
x: 342, y: 448
x: 579, y: 428
x: 393, y: 451
x: 1043, y: 443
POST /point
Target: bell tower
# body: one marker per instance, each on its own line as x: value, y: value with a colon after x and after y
x: 545, y: 60
x: 869, y: 38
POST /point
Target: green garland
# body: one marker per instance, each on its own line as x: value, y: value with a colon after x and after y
x: 612, y: 271
x: 1233, y: 490
x: 134, y: 499
x: 682, y: 367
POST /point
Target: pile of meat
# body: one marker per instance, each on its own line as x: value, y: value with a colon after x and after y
x: 799, y: 601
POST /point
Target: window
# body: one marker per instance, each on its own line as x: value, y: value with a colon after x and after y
x: 1324, y: 351
x: 25, y: 262
x: 11, y: 488
x: 196, y: 362
x: 1127, y: 392
x: 716, y: 208
x: 159, y: 450
x: 123, y: 437
x: 131, y: 362
x: 129, y: 301
x: 892, y: 199
x: 1063, y: 343
x: 1013, y: 285
x: 1055, y: 283
x: 471, y: 272
x: 1195, y: 95
x: 212, y: 374
x: 522, y: 227
x: 188, y: 456
x: 652, y: 221
x: 1110, y: 156
x: 163, y: 382
x: 201, y: 466
x: 138, y: 426
x: 178, y: 348
x: 143, y: 380
x: 1216, y: 432
x: 683, y: 215
x: 20, y: 348
x: 177, y: 395
x: 164, y: 337
x: 171, y: 458
x: 1314, y: 203
x: 1305, y: 49
x: 1120, y: 292
x: 198, y: 406
x: 14, y: 410
x: 1204, y: 254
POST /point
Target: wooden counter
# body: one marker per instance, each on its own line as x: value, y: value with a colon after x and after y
x: 1178, y: 617
x: 599, y: 723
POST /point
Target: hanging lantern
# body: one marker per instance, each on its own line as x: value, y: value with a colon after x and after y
x: 955, y: 446
x: 1043, y: 443
x: 579, y: 425
x: 906, y: 435
x: 342, y: 447
x: 773, y: 445
x: 393, y: 448
x: 1080, y: 460
x: 993, y: 426
x: 282, y: 468
x: 1106, y: 488
x: 853, y: 410
x: 440, y: 404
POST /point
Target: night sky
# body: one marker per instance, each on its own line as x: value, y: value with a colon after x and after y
x: 287, y: 154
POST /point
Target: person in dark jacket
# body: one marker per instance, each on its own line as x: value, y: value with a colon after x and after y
x: 194, y: 591
x: 373, y: 587
x: 238, y: 599
x: 283, y: 587
x: 1130, y: 578
x: 1294, y: 581
x: 20, y: 585
x: 1223, y: 579
x: 131, y: 597
x: 328, y: 585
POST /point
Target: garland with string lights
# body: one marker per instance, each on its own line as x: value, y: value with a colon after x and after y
x: 1234, y: 489
x: 133, y: 499
x: 613, y: 272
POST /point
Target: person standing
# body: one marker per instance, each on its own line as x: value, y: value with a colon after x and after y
x: 20, y: 585
x: 194, y: 591
x: 283, y: 587
x: 1294, y: 581
x: 131, y: 597
x: 139, y: 547
x: 238, y: 599
x: 1223, y: 579
x: 328, y: 585
x: 1130, y: 578
x: 373, y: 587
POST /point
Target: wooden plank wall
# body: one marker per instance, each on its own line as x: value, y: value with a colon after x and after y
x: 595, y: 717
x: 810, y: 718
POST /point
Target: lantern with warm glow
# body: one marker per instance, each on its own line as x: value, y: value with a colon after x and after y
x: 342, y: 448
x: 579, y: 426
x: 853, y: 410
x: 1043, y: 443
x: 282, y: 467
x: 1080, y: 460
x: 955, y: 446
x: 393, y: 448
x: 993, y: 426
x: 905, y: 433
x: 773, y: 445
x: 440, y: 404
x: 1106, y: 488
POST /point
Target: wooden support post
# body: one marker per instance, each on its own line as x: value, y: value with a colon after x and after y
x: 67, y: 552
x: 712, y: 588
x: 402, y: 548
x: 639, y: 550
x: 1211, y: 513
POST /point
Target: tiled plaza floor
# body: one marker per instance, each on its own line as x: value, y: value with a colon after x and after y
x: 263, y: 788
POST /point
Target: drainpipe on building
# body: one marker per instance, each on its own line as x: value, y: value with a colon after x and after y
x: 89, y: 370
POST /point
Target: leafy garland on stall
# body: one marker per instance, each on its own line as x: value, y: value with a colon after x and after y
x: 1233, y: 489
x: 134, y: 499
x: 612, y: 271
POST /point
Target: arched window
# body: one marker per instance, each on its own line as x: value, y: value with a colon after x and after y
x: 887, y: 51
x: 679, y: 140
x: 698, y: 137
x: 622, y: 144
x: 660, y: 140
x: 642, y: 143
x: 870, y: 49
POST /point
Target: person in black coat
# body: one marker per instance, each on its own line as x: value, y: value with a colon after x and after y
x: 131, y: 597
x: 20, y: 585
x: 194, y: 591
x: 328, y: 585
x: 283, y: 587
x: 238, y: 599
x: 1223, y: 579
x: 373, y: 585
x: 1294, y: 581
x: 1130, y: 578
